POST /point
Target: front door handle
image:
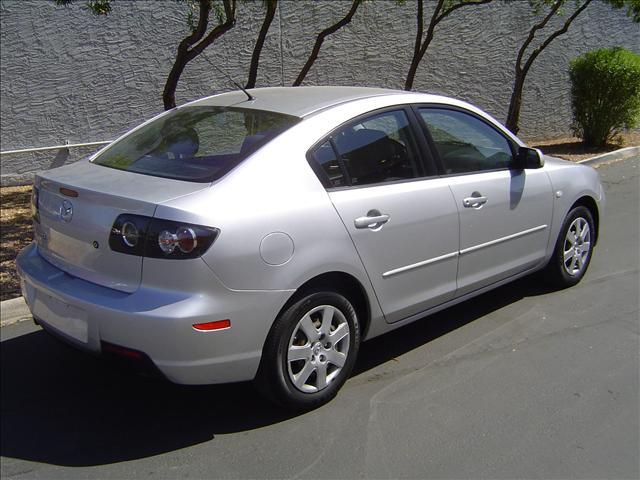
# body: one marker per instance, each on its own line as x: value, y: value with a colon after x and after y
x: 373, y: 220
x: 476, y: 200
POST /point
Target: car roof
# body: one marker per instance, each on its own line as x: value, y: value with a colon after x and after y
x: 296, y: 101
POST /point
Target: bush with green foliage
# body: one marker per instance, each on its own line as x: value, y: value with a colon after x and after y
x: 605, y: 94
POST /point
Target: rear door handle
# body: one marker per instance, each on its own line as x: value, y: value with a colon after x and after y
x: 373, y: 220
x: 474, y: 201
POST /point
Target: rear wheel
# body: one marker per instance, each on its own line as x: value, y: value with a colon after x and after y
x: 310, y: 351
x: 573, y: 250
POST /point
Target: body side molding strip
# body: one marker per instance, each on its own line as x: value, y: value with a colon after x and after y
x: 446, y: 256
x: 503, y: 239
x: 419, y: 264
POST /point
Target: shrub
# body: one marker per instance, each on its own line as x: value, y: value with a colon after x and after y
x: 605, y: 94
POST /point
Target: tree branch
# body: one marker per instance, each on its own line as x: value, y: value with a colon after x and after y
x: 320, y: 39
x: 556, y: 6
x: 432, y: 26
x: 218, y: 31
x: 203, y: 22
x: 420, y: 30
x: 197, y: 43
x: 451, y: 9
x: 554, y: 35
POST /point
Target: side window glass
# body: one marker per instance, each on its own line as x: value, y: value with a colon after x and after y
x: 465, y: 143
x: 378, y: 149
x: 325, y: 156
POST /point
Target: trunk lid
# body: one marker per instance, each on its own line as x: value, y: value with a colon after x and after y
x: 73, y: 230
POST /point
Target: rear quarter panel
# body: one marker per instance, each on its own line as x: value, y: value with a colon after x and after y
x: 273, y: 191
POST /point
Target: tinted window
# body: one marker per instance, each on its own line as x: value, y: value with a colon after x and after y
x: 196, y: 143
x: 378, y: 149
x: 465, y: 143
x: 326, y: 157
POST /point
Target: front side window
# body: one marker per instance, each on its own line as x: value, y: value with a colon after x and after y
x: 466, y: 143
x: 377, y: 149
x: 195, y: 143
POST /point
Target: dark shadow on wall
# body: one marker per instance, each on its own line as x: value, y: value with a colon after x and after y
x: 63, y: 407
x: 60, y: 159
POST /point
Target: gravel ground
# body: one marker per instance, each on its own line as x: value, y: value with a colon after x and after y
x: 15, y: 226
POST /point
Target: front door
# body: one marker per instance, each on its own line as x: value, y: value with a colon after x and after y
x: 505, y: 214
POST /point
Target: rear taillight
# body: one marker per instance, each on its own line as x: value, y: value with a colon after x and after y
x: 157, y: 238
x: 35, y: 198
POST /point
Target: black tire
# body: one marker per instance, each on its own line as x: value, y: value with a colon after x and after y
x: 276, y: 372
x: 560, y: 272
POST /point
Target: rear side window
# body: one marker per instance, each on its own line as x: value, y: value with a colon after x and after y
x: 466, y: 143
x: 326, y: 158
x: 195, y: 143
x: 376, y: 149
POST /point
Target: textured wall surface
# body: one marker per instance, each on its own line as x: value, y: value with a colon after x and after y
x: 67, y: 75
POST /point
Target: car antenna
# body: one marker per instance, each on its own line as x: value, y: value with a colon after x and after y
x: 249, y: 96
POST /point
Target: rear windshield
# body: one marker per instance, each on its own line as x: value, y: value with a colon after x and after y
x: 195, y: 143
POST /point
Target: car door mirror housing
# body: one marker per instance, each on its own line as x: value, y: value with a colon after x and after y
x: 527, y: 158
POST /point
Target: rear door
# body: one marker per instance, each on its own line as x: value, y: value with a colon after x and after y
x: 402, y: 220
x: 505, y: 213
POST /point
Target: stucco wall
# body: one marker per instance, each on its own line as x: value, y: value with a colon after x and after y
x: 67, y: 75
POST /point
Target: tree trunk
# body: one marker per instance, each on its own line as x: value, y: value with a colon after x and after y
x: 415, y: 60
x: 255, y: 58
x: 169, y: 92
x: 411, y: 75
x: 513, y: 117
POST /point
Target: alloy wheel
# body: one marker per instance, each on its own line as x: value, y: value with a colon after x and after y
x: 577, y: 246
x: 318, y: 348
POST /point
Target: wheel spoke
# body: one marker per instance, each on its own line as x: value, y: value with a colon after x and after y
x: 327, y: 318
x: 586, y: 247
x: 339, y: 333
x: 568, y: 255
x: 579, y: 262
x: 336, y: 358
x: 574, y: 263
x: 584, y: 234
x: 578, y: 224
x: 300, y: 378
x: 570, y: 238
x: 309, y: 329
x: 299, y: 353
x: 321, y: 376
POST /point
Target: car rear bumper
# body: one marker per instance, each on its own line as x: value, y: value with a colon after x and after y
x: 157, y: 319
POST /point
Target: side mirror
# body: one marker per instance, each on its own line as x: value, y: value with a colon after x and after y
x: 528, y: 158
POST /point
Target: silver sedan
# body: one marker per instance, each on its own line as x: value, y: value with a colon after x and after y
x: 264, y: 237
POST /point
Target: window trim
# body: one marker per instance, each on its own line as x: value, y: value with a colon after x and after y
x: 423, y: 158
x: 432, y: 146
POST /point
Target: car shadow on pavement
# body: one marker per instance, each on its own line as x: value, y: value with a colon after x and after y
x: 64, y: 407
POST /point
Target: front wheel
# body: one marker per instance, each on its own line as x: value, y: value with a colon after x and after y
x: 310, y: 351
x: 573, y: 249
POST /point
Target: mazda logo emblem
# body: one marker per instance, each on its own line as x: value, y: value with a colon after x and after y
x: 66, y: 211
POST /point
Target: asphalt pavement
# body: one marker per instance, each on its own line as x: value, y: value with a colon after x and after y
x: 522, y: 382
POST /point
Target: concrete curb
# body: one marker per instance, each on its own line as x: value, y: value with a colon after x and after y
x: 614, y: 156
x: 13, y: 311
x: 16, y: 310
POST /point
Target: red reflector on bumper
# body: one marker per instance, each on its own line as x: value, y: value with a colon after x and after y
x: 121, y: 351
x: 209, y: 326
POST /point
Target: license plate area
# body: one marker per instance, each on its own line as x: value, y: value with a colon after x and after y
x: 67, y: 319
